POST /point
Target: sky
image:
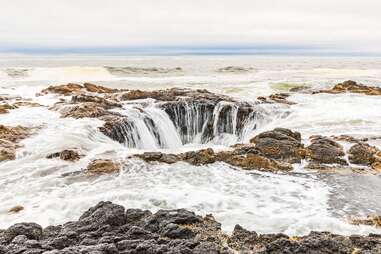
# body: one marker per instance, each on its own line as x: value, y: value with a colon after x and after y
x: 290, y: 25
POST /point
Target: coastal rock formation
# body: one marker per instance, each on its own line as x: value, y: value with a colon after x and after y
x: 325, y: 150
x: 370, y: 221
x: 192, y: 112
x: 66, y: 155
x: 350, y: 86
x: 72, y: 88
x: 280, y: 144
x: 109, y: 228
x: 245, y: 157
x: 9, y: 138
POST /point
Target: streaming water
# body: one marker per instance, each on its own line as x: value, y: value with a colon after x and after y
x: 292, y: 203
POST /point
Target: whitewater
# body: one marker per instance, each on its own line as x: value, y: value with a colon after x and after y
x: 294, y: 203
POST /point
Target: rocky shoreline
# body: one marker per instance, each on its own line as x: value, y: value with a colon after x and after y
x: 109, y: 228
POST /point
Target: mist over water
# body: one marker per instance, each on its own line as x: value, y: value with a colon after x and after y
x: 295, y: 203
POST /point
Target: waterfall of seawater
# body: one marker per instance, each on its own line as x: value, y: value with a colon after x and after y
x: 173, y: 125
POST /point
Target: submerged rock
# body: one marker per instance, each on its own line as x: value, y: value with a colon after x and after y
x: 66, y: 155
x: 109, y: 228
x: 9, y: 138
x: 102, y: 166
x: 350, y: 86
x: 16, y: 209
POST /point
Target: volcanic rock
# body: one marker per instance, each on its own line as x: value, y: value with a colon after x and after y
x: 363, y: 154
x: 72, y: 89
x: 108, y: 228
x: 98, y: 89
x: 280, y: 144
x: 325, y: 150
x: 245, y: 159
x: 352, y: 87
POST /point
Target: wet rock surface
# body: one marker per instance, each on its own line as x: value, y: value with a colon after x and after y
x: 66, y: 155
x: 325, y: 150
x: 350, y: 86
x: 193, y: 112
x: 246, y: 157
x: 281, y: 144
x: 72, y: 88
x: 102, y: 166
x: 110, y: 228
x: 9, y: 139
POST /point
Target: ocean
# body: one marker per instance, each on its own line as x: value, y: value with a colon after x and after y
x: 294, y: 203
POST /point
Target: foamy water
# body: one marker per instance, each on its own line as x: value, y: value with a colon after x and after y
x: 294, y: 203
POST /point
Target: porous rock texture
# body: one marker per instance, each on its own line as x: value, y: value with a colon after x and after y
x: 108, y: 228
x: 9, y: 140
x: 350, y: 86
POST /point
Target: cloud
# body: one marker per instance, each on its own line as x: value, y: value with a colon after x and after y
x: 338, y: 24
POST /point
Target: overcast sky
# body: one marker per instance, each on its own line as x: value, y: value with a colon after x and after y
x: 330, y: 24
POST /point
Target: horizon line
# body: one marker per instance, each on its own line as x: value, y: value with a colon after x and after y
x: 286, y: 50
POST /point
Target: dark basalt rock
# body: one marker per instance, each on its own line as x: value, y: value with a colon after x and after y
x: 107, y: 228
x: 325, y: 150
x: 363, y: 154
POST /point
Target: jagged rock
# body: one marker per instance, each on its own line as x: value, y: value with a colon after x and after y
x: 4, y: 108
x: 87, y: 109
x: 26, y: 104
x: 352, y: 87
x: 32, y: 231
x: 108, y: 228
x: 101, y: 102
x: 98, y: 89
x: 7, y: 150
x: 349, y: 139
x: 280, y: 144
x: 363, y: 154
x: 66, y: 155
x: 16, y: 209
x: 9, y: 138
x: 71, y: 88
x: 101, y: 166
x: 370, y: 221
x: 325, y: 150
x: 67, y: 89
x: 14, y: 134
x: 246, y: 159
